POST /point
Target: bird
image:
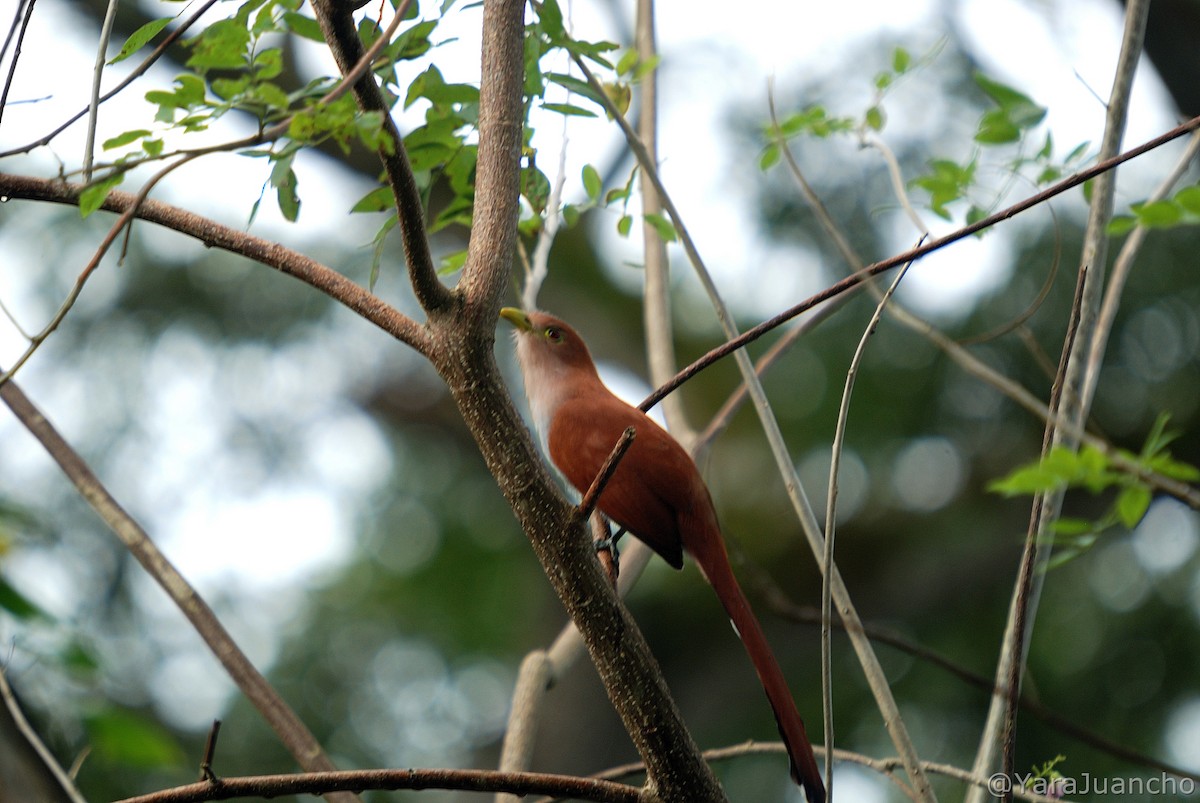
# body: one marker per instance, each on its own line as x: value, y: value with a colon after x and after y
x: 656, y: 493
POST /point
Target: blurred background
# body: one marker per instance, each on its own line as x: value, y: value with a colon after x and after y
x: 311, y: 476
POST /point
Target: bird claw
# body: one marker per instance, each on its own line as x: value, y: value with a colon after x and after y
x: 611, y: 562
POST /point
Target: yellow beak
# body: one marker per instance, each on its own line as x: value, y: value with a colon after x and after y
x: 517, y: 318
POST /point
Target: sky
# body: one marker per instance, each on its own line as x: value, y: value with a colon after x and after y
x: 1063, y: 54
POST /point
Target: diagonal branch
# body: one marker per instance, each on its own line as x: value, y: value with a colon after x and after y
x: 337, y: 23
x: 214, y: 235
x: 857, y: 278
x: 872, y: 669
x: 292, y: 732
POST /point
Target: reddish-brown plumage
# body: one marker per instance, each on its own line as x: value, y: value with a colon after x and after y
x: 656, y: 493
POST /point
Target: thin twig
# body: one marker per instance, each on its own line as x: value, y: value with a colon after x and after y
x: 872, y: 669
x: 123, y: 220
x: 210, y: 749
x: 1072, y: 413
x: 214, y: 235
x: 1122, y: 267
x: 588, y: 504
x: 1029, y: 554
x: 292, y: 732
x: 35, y: 742
x: 884, y: 766
x: 602, y: 536
x: 89, y: 148
x: 137, y: 72
x: 839, y: 435
x: 324, y: 783
x: 17, y: 29
x: 750, y: 335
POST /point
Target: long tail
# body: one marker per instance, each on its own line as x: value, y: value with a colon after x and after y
x: 714, y: 562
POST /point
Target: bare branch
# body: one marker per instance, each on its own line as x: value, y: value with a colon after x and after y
x: 31, y: 737
x: 138, y: 72
x: 839, y: 435
x: 343, y: 40
x: 294, y: 735
x: 854, y: 279
x: 324, y: 783
x: 270, y: 254
x: 872, y: 669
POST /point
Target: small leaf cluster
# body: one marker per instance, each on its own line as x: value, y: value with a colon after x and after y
x: 1013, y: 116
x: 1096, y: 471
x: 1181, y: 209
x: 815, y: 121
x: 1008, y: 122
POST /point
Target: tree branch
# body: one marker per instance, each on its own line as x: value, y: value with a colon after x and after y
x: 294, y: 735
x: 344, y: 43
x: 212, y: 234
x: 323, y: 783
x: 856, y: 278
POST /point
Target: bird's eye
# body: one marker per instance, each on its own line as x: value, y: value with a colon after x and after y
x: 554, y: 334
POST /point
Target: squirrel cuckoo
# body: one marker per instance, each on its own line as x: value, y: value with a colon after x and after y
x: 656, y: 493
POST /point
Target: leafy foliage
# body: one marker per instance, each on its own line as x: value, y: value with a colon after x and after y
x: 1095, y: 471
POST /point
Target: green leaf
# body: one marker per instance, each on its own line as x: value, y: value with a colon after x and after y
x: 568, y: 109
x: 377, y: 257
x: 18, y: 604
x: 377, y: 200
x: 285, y: 193
x: 874, y: 118
x: 303, y: 26
x: 628, y: 61
x: 664, y: 227
x: 1189, y: 200
x: 94, y: 194
x: 570, y: 214
x: 593, y: 185
x: 125, y: 139
x: 624, y: 225
x: 452, y: 263
x: 552, y: 20
x: 1162, y: 214
x: 535, y: 188
x: 1132, y: 504
x: 770, y: 157
x: 140, y: 38
x: 1121, y: 224
x: 575, y: 85
x: 1015, y: 113
x: 646, y: 66
x: 591, y: 50
x: 1175, y: 469
x: 223, y: 45
x: 268, y: 64
x: 130, y: 739
x: 413, y: 42
x: 995, y: 128
x: 1077, y: 152
x: 901, y: 60
x: 1027, y: 480
x: 1017, y: 106
x: 1073, y: 527
x: 1159, y: 437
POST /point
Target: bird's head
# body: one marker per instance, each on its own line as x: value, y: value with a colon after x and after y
x: 555, y: 362
x: 547, y: 347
